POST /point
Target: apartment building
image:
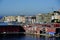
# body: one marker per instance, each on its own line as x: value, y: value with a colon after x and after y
x: 9, y: 18
x: 56, y: 16
x: 21, y: 18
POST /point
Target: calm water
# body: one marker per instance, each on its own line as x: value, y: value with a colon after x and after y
x: 27, y: 37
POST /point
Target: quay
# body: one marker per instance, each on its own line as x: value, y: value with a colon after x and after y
x: 44, y: 29
x: 36, y: 29
x: 48, y: 35
x: 13, y: 33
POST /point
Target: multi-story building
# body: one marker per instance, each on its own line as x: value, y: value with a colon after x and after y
x: 9, y: 18
x: 43, y: 18
x: 33, y: 19
x: 56, y: 16
x: 21, y: 18
x: 28, y: 19
x: 38, y: 18
x: 48, y: 17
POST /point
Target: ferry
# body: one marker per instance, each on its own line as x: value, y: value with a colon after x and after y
x: 6, y: 28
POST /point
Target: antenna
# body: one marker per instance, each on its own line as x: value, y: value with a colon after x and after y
x: 52, y: 9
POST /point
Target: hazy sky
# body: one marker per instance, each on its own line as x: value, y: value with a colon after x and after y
x: 27, y: 7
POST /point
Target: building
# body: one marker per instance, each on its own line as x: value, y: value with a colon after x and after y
x: 44, y: 18
x: 33, y: 19
x: 21, y: 18
x: 56, y: 16
x: 9, y: 18
x: 28, y: 19
x: 48, y: 17
x: 39, y: 18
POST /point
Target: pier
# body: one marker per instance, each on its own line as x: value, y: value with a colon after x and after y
x: 40, y: 29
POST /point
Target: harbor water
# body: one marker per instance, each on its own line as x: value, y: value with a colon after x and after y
x: 27, y: 37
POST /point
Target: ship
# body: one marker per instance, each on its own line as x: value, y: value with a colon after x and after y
x: 9, y: 28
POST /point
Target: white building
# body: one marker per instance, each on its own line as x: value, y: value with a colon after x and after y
x: 9, y: 18
x: 21, y: 19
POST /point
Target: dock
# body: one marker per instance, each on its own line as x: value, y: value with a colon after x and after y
x: 13, y: 33
x: 48, y: 35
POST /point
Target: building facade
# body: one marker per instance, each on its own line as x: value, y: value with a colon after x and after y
x: 43, y: 18
x: 33, y: 19
x: 9, y: 18
x: 39, y: 18
x: 21, y: 18
x: 56, y: 16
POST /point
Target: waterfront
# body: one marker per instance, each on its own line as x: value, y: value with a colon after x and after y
x: 28, y: 37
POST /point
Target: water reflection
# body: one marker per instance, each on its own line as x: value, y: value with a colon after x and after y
x: 27, y: 37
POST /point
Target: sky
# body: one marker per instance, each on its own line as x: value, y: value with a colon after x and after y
x: 27, y: 7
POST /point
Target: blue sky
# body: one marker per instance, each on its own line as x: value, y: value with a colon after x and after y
x: 27, y: 7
